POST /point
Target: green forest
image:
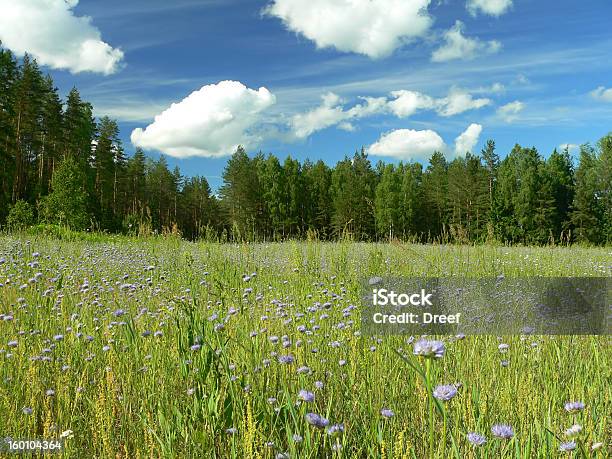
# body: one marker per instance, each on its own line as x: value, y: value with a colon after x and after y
x: 59, y: 165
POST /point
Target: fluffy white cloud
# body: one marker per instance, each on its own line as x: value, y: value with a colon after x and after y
x: 408, y: 144
x: 407, y: 103
x: 490, y: 7
x: 458, y: 46
x: 459, y: 101
x: 510, y: 111
x: 332, y: 113
x: 373, y: 28
x: 467, y: 140
x: 209, y: 122
x: 601, y: 93
x: 49, y: 31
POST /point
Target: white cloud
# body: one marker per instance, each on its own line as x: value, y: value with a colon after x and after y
x: 458, y: 46
x: 332, y: 113
x: 467, y: 140
x: 459, y: 101
x: 373, y: 28
x: 490, y: 7
x: 49, y: 31
x: 408, y: 144
x: 210, y: 122
x: 510, y: 111
x: 601, y: 93
x: 407, y: 103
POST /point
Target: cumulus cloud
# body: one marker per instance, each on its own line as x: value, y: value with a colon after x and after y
x: 331, y: 113
x: 408, y: 144
x: 458, y: 46
x: 373, y: 28
x: 407, y: 103
x: 601, y: 93
x: 467, y: 140
x: 49, y: 31
x: 490, y: 7
x: 210, y: 122
x: 510, y: 111
x: 402, y: 103
x: 459, y: 101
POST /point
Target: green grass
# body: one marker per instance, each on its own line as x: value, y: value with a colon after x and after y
x: 156, y: 397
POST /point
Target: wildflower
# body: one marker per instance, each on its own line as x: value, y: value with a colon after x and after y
x: 569, y: 446
x: 502, y: 431
x: 335, y: 429
x: 317, y: 421
x: 573, y: 407
x: 67, y: 434
x: 503, y: 347
x: 445, y: 392
x: 58, y: 337
x: 27, y: 410
x: 319, y: 384
x: 387, y: 413
x: 196, y: 347
x: 106, y: 348
x: 306, y: 396
x: 50, y: 393
x: 596, y: 446
x: 429, y: 348
x: 232, y: 430
x: 476, y: 439
x: 573, y: 430
x: 304, y: 370
x: 297, y: 438
x: 13, y: 343
x: 158, y: 334
x: 286, y: 359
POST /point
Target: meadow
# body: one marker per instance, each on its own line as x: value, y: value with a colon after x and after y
x: 158, y: 347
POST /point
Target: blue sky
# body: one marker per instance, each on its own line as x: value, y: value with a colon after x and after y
x: 400, y: 78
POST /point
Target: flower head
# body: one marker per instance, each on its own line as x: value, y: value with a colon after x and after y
x: 573, y: 407
x: 502, y: 431
x: 569, y: 446
x: 476, y: 439
x: 445, y: 392
x: 306, y: 396
x: 315, y: 420
x: 429, y: 348
x: 386, y: 413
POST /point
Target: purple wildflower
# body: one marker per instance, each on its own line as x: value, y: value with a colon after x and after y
x: 476, y: 439
x: 429, y: 348
x: 445, y: 392
x: 317, y: 421
x: 502, y: 431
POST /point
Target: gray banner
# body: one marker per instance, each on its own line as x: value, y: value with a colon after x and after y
x: 498, y: 305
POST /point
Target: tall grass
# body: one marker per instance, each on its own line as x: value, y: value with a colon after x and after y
x: 166, y: 351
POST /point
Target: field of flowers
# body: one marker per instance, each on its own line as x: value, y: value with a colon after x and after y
x: 163, y: 348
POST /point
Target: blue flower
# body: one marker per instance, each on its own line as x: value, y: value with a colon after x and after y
x: 387, y: 413
x: 317, y: 421
x: 445, y: 392
x: 502, y: 431
x: 306, y: 396
x: 476, y: 439
x: 569, y: 446
x: 429, y: 348
x: 573, y: 407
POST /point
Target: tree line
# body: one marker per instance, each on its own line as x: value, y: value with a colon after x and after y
x: 59, y: 165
